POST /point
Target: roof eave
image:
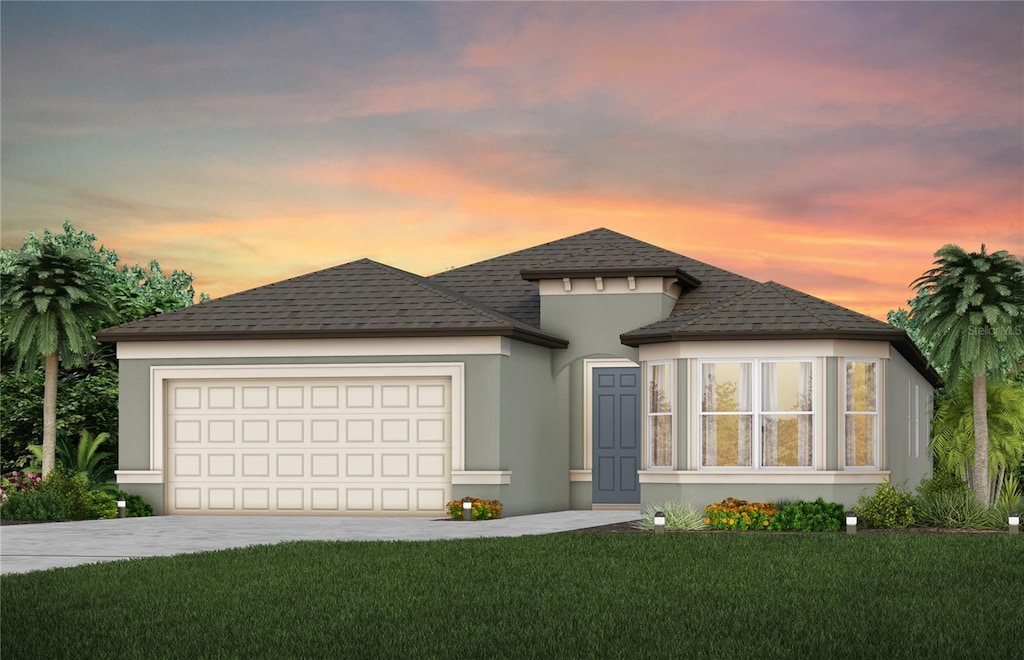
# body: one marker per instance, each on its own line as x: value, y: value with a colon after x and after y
x: 897, y: 338
x: 684, y: 278
x: 636, y: 339
x: 521, y: 334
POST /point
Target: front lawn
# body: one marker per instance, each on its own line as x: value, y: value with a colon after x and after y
x: 564, y: 595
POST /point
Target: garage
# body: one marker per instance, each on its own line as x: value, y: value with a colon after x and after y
x: 308, y: 445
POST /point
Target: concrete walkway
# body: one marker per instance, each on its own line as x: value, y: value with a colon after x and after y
x: 26, y: 548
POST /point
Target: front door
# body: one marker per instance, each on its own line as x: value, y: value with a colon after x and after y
x: 616, y: 432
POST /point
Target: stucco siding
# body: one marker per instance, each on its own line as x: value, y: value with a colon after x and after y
x: 700, y: 495
x: 907, y: 422
x: 534, y: 433
x: 593, y: 323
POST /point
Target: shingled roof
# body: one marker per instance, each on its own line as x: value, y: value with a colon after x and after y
x: 499, y: 297
x: 359, y: 299
x: 499, y: 282
x: 774, y: 311
x: 607, y: 261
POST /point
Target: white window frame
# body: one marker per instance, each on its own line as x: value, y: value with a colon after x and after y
x: 877, y: 414
x: 756, y: 414
x: 649, y: 416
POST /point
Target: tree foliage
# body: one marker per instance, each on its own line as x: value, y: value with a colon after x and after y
x: 50, y: 298
x: 952, y: 440
x: 969, y: 308
x: 88, y: 398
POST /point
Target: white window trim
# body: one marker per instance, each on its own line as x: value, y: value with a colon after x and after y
x: 589, y: 364
x: 160, y: 375
x: 648, y: 415
x: 880, y: 463
x: 817, y: 408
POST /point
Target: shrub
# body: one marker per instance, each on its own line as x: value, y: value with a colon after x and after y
x: 135, y: 506
x: 72, y: 488
x: 102, y: 505
x: 889, y: 508
x: 816, y: 516
x: 482, y: 509
x: 739, y: 514
x: 18, y: 482
x: 34, y: 505
x: 678, y: 516
x: 942, y: 482
x: 84, y: 459
x: 952, y: 509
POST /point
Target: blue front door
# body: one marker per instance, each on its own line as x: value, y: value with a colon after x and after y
x: 616, y: 432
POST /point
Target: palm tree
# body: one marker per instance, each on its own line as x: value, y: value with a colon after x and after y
x: 974, y: 315
x: 49, y: 298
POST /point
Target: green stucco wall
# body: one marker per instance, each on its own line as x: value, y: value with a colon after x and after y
x: 700, y: 495
x: 593, y: 322
x: 908, y: 456
x: 534, y: 432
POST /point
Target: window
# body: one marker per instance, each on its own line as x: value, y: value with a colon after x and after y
x: 861, y: 413
x: 762, y: 422
x: 659, y: 414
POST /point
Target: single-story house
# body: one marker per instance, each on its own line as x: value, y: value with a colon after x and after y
x: 595, y: 371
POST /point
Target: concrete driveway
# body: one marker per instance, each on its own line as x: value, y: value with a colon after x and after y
x: 26, y: 548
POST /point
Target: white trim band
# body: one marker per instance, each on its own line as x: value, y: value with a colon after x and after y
x: 139, y: 476
x: 481, y: 477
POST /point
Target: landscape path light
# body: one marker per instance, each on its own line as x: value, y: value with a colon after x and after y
x: 467, y: 509
x: 122, y: 507
x: 1014, y: 521
x: 851, y: 522
x: 659, y: 523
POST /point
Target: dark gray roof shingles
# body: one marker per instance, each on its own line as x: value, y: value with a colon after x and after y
x: 497, y: 282
x: 359, y: 298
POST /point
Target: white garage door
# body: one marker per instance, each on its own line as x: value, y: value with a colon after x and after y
x: 318, y: 446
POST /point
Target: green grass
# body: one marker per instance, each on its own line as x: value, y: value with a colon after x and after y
x: 568, y: 595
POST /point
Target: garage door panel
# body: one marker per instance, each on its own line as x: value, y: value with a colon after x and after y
x: 220, y: 465
x: 256, y: 397
x: 356, y: 445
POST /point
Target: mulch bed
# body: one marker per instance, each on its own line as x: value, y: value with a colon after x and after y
x: 628, y: 528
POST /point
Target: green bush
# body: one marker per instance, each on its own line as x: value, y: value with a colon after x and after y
x: 102, y: 505
x: 889, y: 508
x: 135, y: 506
x: 678, y: 516
x: 72, y: 488
x: 816, y: 516
x: 942, y: 482
x: 37, y: 505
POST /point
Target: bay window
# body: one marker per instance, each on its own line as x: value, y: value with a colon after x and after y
x: 860, y: 413
x: 659, y: 414
x: 757, y: 414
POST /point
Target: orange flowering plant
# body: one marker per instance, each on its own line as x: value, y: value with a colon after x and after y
x: 739, y: 514
x: 482, y: 509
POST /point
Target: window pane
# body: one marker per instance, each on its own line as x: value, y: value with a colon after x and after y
x: 661, y: 441
x: 726, y: 440
x: 725, y: 387
x: 660, y: 391
x: 860, y: 440
x: 787, y: 440
x: 786, y: 386
x: 861, y: 386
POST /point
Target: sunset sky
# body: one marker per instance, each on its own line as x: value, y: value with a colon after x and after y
x: 831, y: 147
